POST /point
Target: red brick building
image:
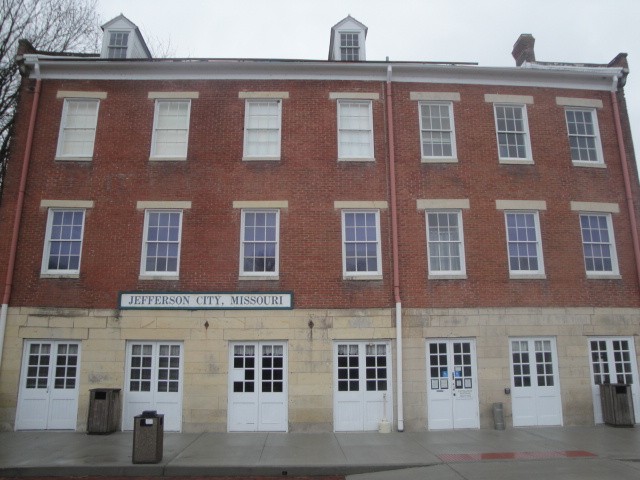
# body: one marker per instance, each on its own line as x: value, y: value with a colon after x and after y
x: 317, y: 245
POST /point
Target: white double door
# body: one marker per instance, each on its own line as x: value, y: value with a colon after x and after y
x: 362, y: 385
x: 452, y: 384
x: 48, y: 394
x: 258, y: 398
x: 153, y: 382
x: 535, y: 386
x: 613, y: 360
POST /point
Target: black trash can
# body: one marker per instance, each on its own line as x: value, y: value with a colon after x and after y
x: 148, y: 433
x: 104, y: 410
x: 617, y: 405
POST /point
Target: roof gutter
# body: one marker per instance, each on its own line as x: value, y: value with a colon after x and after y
x: 4, y: 310
x: 68, y: 68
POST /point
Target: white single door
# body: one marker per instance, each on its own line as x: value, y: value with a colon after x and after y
x: 535, y: 386
x: 362, y: 386
x: 613, y: 360
x: 258, y: 399
x: 153, y: 382
x: 452, y: 384
x: 48, y: 394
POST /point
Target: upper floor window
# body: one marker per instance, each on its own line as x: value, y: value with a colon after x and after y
x: 349, y: 46
x: 63, y: 241
x: 259, y: 243
x: 262, y: 123
x: 445, y: 245
x: 598, y: 244
x: 584, y: 135
x: 355, y: 130
x: 118, y: 42
x: 524, y: 245
x: 170, y: 129
x: 361, y: 243
x: 512, y: 131
x: 437, y: 132
x: 77, y: 129
x: 161, y: 242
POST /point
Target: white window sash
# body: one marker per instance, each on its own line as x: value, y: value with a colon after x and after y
x: 596, y: 136
x: 47, y: 252
x: 170, y: 135
x: 254, y: 135
x: 460, y: 242
x: 538, y: 243
x: 73, y: 131
x: 145, y: 244
x: 612, y: 246
x: 244, y: 242
x: 524, y: 132
x: 349, y: 51
x: 112, y: 47
x: 364, y: 133
x: 424, y: 129
x: 368, y: 273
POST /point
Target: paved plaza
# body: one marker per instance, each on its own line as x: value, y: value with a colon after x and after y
x: 551, y: 453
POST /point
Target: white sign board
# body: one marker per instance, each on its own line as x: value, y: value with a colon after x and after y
x: 205, y: 301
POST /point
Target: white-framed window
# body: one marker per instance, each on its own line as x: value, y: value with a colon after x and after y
x: 355, y: 130
x: 598, y: 244
x: 584, y: 135
x: 63, y: 241
x: 171, y: 129
x: 259, y: 245
x: 161, y: 243
x: 524, y: 245
x: 118, y: 42
x: 262, y: 127
x: 445, y: 243
x: 349, y: 46
x: 361, y: 252
x: 437, y: 132
x: 78, y: 128
x: 512, y: 130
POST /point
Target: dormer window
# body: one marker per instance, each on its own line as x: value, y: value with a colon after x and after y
x: 347, y: 42
x: 118, y: 42
x: 349, y: 47
x: 122, y: 39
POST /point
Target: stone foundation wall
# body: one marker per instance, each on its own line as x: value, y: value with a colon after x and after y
x: 310, y: 335
x: 492, y: 328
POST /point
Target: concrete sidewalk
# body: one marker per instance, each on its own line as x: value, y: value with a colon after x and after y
x: 556, y: 453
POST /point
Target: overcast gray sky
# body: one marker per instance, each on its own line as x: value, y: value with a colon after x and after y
x: 483, y: 31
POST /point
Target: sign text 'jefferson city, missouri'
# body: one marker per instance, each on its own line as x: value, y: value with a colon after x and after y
x: 205, y: 301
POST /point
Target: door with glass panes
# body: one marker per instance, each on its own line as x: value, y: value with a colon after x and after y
x: 48, y: 394
x: 362, y: 385
x: 153, y: 382
x: 613, y: 360
x: 535, y: 386
x: 258, y: 397
x: 452, y: 384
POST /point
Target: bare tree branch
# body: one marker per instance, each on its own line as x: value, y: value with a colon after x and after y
x: 49, y: 25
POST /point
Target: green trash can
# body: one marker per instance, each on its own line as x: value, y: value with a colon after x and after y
x: 148, y: 433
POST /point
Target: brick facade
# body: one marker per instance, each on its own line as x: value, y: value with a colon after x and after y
x: 485, y: 306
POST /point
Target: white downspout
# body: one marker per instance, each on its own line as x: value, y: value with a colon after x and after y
x: 396, y: 256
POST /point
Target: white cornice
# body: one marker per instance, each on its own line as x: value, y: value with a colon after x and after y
x: 592, y: 78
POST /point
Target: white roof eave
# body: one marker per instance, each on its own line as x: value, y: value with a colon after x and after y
x: 594, y: 78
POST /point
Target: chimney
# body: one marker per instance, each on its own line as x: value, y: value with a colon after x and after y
x: 523, y: 49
